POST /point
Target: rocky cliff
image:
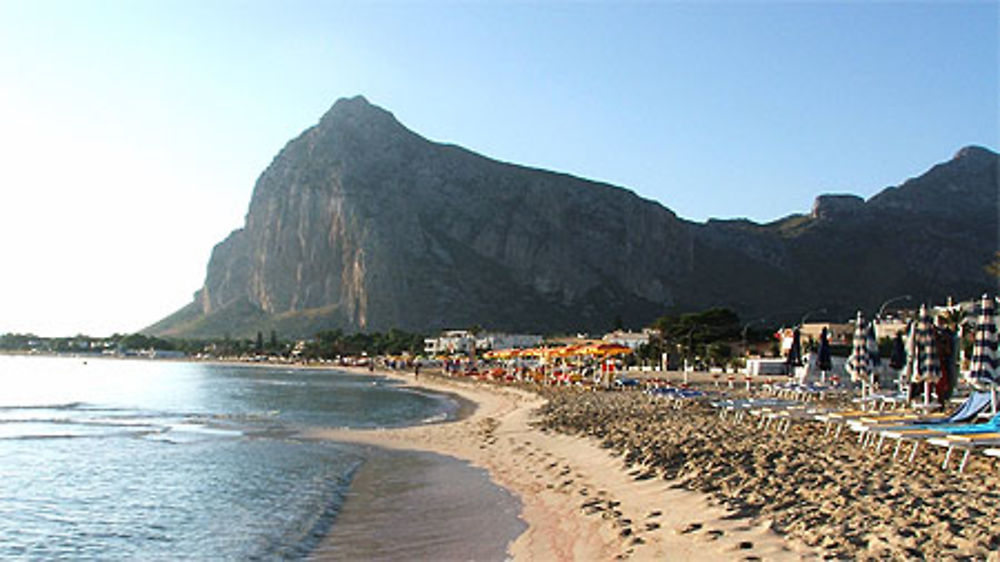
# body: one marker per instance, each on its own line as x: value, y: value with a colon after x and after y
x: 361, y: 224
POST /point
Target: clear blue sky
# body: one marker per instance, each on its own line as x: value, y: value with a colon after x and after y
x: 131, y: 132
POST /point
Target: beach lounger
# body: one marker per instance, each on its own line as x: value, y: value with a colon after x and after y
x: 839, y: 418
x: 739, y: 407
x: 992, y: 453
x: 967, y: 411
x: 935, y: 431
x: 784, y: 418
x: 966, y: 441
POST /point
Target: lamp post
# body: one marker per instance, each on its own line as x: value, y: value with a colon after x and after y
x: 881, y: 309
x: 810, y: 313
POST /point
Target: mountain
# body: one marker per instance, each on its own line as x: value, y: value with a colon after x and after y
x: 361, y: 224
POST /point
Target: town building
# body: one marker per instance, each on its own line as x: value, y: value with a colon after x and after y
x: 464, y: 342
x: 629, y: 339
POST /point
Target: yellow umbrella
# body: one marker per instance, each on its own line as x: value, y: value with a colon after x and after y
x: 607, y: 349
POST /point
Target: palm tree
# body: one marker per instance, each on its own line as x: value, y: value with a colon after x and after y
x: 953, y: 318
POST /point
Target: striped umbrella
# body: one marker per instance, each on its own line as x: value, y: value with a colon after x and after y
x: 874, y: 356
x: 927, y: 368
x: 824, y: 361
x: 984, y: 350
x: 910, y: 370
x: 859, y: 364
x: 871, y: 342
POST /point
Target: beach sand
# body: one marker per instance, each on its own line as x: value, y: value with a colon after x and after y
x: 579, y: 500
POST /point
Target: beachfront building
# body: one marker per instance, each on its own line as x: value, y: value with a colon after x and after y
x: 889, y: 327
x: 450, y: 342
x: 498, y: 340
x: 839, y: 333
x: 631, y: 340
x: 463, y: 342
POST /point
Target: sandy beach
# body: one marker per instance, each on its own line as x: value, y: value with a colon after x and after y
x: 581, y: 500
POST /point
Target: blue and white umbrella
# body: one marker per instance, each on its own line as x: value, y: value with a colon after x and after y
x: 859, y: 364
x: 874, y: 356
x: 983, y: 372
x: 910, y: 370
x: 927, y: 369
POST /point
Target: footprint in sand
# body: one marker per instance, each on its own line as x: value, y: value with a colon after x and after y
x: 714, y: 534
x: 654, y: 514
x: 652, y: 526
x: 692, y: 528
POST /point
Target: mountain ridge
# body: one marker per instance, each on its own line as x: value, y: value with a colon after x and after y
x: 359, y: 223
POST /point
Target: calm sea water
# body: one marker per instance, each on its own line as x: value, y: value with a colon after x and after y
x: 143, y: 460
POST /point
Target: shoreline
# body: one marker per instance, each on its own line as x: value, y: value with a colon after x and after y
x: 579, y: 501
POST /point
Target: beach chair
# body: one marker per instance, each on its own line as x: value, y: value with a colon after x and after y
x: 967, y: 411
x: 968, y: 442
x: 993, y: 452
x: 926, y: 432
x: 739, y: 407
x: 838, y: 419
x: 785, y: 416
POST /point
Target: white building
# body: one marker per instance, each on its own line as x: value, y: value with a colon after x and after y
x: 507, y: 341
x: 450, y: 342
x: 631, y: 340
x: 463, y: 342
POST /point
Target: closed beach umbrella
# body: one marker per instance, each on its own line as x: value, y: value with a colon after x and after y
x: 859, y: 363
x: 897, y: 361
x: 898, y: 358
x: 795, y: 351
x: 926, y: 366
x: 910, y: 371
x: 983, y: 370
x: 824, y: 361
x: 874, y: 357
x: 871, y: 342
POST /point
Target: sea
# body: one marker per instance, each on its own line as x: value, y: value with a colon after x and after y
x: 119, y: 459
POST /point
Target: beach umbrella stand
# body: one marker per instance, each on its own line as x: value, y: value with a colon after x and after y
x: 859, y: 363
x: 823, y: 360
x: 983, y: 367
x: 926, y: 366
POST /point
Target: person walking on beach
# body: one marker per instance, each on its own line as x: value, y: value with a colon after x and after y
x: 416, y: 370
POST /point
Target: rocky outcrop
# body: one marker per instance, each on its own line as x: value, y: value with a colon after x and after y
x: 361, y: 224
x: 832, y: 206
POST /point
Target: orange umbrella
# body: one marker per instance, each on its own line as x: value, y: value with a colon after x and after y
x: 608, y: 349
x: 500, y: 353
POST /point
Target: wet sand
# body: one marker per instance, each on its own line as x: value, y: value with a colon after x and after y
x: 578, y: 497
x: 412, y: 505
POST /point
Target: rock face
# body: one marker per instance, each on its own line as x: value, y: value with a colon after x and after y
x: 361, y: 224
